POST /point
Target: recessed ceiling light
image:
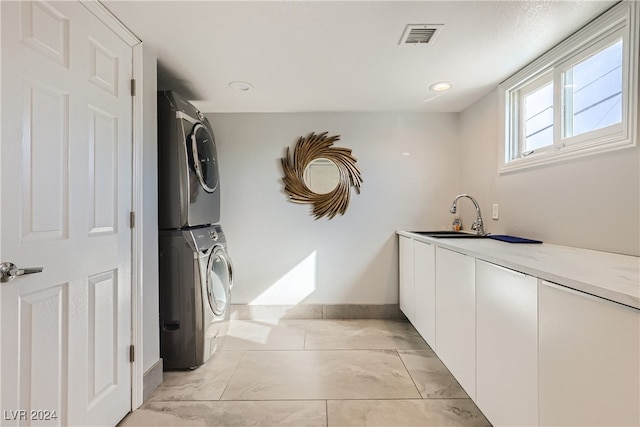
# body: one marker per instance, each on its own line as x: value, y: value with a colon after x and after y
x: 241, y: 86
x: 440, y: 86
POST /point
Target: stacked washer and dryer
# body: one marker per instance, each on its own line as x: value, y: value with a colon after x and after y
x: 196, y: 275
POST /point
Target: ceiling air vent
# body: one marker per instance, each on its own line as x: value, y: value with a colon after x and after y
x: 417, y: 34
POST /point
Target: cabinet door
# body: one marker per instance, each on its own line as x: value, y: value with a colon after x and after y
x: 589, y: 354
x: 425, y: 291
x: 455, y: 316
x: 506, y: 345
x: 406, y: 278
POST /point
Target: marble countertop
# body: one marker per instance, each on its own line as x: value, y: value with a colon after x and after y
x: 607, y: 275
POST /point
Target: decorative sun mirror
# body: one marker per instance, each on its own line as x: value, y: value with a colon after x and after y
x: 320, y: 174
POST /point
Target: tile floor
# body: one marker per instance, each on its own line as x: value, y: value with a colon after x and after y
x: 313, y: 373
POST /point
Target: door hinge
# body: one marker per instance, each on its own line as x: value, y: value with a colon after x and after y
x: 132, y: 219
x: 132, y: 353
x: 133, y: 87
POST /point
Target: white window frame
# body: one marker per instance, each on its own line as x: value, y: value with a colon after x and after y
x: 519, y: 128
x: 601, y: 135
x: 621, y: 21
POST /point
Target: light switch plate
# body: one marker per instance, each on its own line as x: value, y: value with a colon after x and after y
x: 496, y: 212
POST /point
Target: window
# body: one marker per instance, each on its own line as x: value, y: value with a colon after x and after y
x: 593, y: 92
x: 579, y: 98
x: 537, y: 116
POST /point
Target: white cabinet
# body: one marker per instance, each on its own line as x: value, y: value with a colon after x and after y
x: 506, y: 345
x: 425, y: 291
x: 406, y: 278
x: 589, y: 360
x: 455, y: 316
x: 417, y: 286
x: 528, y: 352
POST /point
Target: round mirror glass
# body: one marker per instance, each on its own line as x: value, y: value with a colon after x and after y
x: 321, y: 176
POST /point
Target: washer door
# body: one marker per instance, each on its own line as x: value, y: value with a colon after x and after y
x: 203, y: 152
x: 219, y: 280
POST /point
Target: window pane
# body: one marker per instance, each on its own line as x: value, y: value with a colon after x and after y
x: 538, y: 112
x: 593, y: 92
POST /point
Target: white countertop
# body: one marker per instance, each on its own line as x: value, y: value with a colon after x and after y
x: 611, y: 276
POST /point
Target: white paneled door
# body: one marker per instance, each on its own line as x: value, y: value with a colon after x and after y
x: 66, y: 167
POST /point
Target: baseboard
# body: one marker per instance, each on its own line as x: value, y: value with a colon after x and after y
x: 152, y: 379
x: 316, y: 311
x: 266, y: 312
x: 362, y: 311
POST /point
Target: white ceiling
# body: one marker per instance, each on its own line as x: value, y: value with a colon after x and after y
x: 310, y: 56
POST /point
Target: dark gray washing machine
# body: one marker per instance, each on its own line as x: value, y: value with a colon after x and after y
x: 188, y: 181
x: 195, y: 287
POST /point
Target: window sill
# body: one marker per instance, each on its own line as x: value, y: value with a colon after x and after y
x: 566, y: 153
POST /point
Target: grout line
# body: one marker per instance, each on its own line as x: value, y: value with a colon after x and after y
x: 409, y: 373
x: 326, y: 412
x: 235, y: 368
x: 320, y: 399
x: 392, y: 399
x: 378, y: 349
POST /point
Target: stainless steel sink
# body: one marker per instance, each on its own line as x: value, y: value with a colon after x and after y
x: 447, y: 234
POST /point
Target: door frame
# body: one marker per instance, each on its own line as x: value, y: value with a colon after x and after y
x: 1, y: 259
x: 137, y: 109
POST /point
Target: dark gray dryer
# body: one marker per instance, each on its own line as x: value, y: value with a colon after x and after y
x: 188, y: 181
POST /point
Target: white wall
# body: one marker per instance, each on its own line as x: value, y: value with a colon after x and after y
x: 148, y: 219
x: 592, y: 202
x: 278, y: 247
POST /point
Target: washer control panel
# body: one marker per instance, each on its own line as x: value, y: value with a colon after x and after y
x: 205, y: 238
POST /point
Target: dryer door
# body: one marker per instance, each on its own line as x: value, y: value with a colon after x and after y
x: 203, y: 151
x: 219, y: 280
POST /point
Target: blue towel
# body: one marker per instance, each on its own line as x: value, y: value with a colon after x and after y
x: 511, y: 239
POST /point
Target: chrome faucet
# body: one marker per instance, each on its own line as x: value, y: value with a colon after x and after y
x: 477, y: 224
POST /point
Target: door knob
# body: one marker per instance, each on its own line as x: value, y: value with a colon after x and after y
x: 9, y: 271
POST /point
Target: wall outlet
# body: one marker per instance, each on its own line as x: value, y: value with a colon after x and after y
x: 495, y: 214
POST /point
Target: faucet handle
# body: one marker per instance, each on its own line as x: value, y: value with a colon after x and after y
x: 477, y: 226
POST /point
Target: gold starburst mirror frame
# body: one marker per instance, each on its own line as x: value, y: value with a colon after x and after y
x: 320, y: 174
